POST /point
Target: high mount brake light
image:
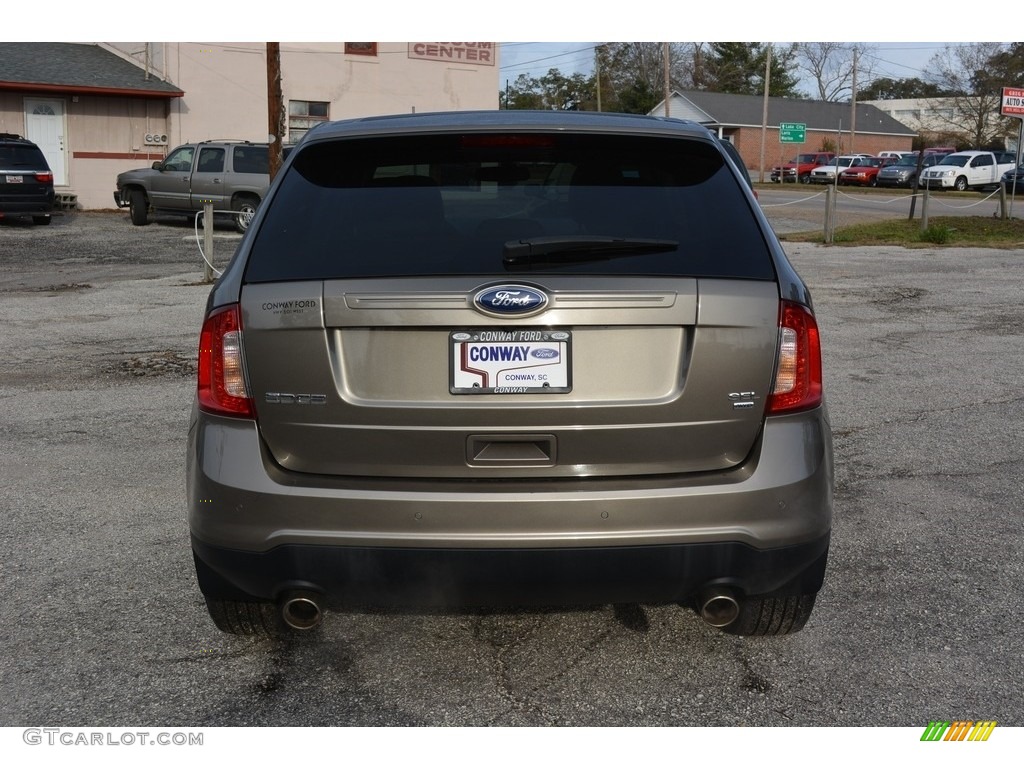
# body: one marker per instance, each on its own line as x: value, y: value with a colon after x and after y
x: 797, y: 385
x: 222, y: 389
x: 508, y: 140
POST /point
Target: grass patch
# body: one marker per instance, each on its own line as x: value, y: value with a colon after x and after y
x: 939, y: 234
x: 954, y: 231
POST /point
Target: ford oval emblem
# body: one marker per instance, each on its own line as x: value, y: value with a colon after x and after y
x: 544, y: 353
x: 510, y: 300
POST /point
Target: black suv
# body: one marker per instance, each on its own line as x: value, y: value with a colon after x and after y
x: 26, y: 182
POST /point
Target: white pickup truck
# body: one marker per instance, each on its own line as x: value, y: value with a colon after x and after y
x: 967, y: 170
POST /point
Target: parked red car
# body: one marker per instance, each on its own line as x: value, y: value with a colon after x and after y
x: 865, y: 174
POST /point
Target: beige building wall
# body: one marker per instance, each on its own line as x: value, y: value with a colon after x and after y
x: 225, y: 87
x: 225, y: 84
x: 12, y: 113
x: 103, y: 135
x: 107, y: 135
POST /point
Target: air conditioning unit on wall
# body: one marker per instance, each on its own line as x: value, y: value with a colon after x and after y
x: 156, y: 138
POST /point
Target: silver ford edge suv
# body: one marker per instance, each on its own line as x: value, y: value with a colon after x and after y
x: 509, y: 358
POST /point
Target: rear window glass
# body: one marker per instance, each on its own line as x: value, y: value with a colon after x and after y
x: 21, y: 157
x: 251, y: 160
x: 460, y: 204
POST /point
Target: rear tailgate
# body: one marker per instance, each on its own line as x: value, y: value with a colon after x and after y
x: 355, y: 378
x: 657, y: 306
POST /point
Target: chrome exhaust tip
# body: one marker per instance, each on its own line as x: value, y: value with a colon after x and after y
x: 301, y: 611
x: 719, y: 608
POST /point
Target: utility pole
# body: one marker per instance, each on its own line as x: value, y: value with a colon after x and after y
x: 597, y: 74
x: 764, y: 110
x: 668, y: 86
x: 275, y: 108
x: 917, y: 182
x: 853, y: 101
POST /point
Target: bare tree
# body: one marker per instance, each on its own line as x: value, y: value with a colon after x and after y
x: 633, y: 73
x: 831, y: 67
x: 972, y: 110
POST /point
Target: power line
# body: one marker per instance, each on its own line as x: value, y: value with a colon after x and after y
x: 525, y: 64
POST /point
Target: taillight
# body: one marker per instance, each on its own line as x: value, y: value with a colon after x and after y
x: 797, y: 384
x: 44, y: 178
x: 222, y: 387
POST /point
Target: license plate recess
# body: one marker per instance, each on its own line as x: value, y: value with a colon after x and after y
x: 510, y: 361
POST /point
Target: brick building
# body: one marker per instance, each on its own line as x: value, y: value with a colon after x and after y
x: 738, y: 118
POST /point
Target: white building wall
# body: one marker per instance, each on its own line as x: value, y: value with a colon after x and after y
x: 682, y: 108
x: 919, y: 114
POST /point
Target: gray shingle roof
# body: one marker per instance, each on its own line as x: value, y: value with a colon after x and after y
x: 76, y: 66
x: 730, y: 109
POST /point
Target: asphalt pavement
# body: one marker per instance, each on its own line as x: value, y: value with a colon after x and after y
x: 103, y: 623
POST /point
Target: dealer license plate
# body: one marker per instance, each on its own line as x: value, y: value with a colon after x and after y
x: 510, y: 361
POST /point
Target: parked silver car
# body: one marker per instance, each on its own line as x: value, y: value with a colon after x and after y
x: 509, y: 358
x: 903, y: 173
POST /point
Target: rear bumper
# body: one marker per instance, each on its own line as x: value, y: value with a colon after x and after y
x: 27, y: 207
x: 353, y: 576
x: 260, y: 531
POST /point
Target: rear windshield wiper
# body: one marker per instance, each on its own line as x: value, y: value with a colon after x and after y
x: 552, y: 251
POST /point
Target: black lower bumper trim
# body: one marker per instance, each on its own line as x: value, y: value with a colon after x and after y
x: 374, y: 576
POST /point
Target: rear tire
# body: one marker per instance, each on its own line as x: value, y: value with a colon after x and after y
x: 764, y: 616
x: 244, y: 618
x: 138, y: 208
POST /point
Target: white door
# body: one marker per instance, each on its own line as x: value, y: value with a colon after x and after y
x: 44, y: 125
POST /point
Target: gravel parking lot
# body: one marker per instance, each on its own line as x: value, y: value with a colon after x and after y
x: 104, y: 625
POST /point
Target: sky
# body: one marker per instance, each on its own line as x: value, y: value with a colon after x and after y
x: 325, y: 20
x: 512, y: 25
x: 892, y: 59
